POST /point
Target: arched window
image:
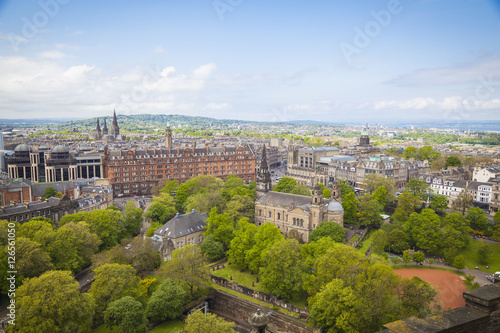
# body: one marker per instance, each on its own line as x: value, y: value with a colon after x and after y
x: 269, y: 214
x: 294, y: 221
x: 279, y: 215
x: 315, y: 200
x: 260, y: 212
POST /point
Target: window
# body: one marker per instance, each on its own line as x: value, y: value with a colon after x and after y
x: 269, y: 214
x: 279, y: 216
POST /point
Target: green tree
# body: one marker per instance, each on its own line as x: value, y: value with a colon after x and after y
x: 439, y: 202
x: 63, y: 251
x: 462, y: 203
x: 410, y: 152
x: 281, y: 269
x: 452, y: 161
x: 189, y: 266
x: 419, y: 188
x: 425, y: 230
x: 167, y: 302
x: 5, y: 230
x: 407, y: 203
x: 406, y: 257
x: 112, y: 282
x: 33, y: 227
x: 213, y: 249
x: 379, y: 241
x: 303, y: 190
x: 86, y: 243
x: 127, y: 314
x: 285, y: 185
x: 345, y: 188
x: 266, y: 235
x: 369, y: 214
x: 200, y: 322
x: 416, y: 296
x: 418, y: 257
x: 483, y: 254
x: 380, y: 195
x: 350, y: 205
x: 397, y: 241
x: 152, y: 228
x: 170, y: 187
x: 161, y: 209
x: 335, y: 307
x: 142, y: 254
x: 49, y: 192
x: 52, y: 303
x: 31, y: 259
x: 193, y: 186
x: 328, y: 229
x: 205, y: 200
x: 244, y: 240
x: 459, y: 262
x: 133, y: 219
x: 221, y: 226
x: 477, y: 219
x: 428, y: 153
x: 373, y: 181
x: 240, y: 207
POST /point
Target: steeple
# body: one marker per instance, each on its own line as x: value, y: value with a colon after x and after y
x: 104, y: 128
x: 115, y: 130
x: 98, y: 131
x: 263, y: 176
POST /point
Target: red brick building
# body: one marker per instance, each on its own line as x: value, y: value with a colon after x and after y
x: 135, y: 172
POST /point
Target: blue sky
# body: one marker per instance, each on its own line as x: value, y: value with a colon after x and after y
x: 338, y: 61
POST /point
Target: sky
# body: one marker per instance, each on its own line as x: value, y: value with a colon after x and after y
x: 334, y: 61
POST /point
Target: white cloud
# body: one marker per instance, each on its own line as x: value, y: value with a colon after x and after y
x: 216, y: 106
x: 43, y: 88
x: 426, y: 103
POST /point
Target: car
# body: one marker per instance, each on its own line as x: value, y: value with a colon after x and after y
x: 128, y: 247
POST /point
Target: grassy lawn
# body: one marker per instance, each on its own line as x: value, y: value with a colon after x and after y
x: 353, y: 239
x: 367, y: 241
x: 175, y: 326
x: 471, y: 260
x: 244, y: 278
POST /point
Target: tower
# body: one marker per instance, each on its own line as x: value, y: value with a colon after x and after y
x: 168, y: 137
x: 263, y: 183
x: 104, y: 128
x: 115, y: 130
x: 335, y: 192
x: 317, y: 195
x: 98, y: 131
x: 364, y: 139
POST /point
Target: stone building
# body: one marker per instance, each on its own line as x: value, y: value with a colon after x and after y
x: 182, y: 230
x: 53, y: 208
x: 291, y: 211
x: 495, y: 195
x: 301, y: 163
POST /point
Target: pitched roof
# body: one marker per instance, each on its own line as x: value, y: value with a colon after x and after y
x: 284, y: 199
x: 182, y: 225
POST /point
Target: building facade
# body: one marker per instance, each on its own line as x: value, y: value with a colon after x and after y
x: 135, y: 172
x: 182, y: 230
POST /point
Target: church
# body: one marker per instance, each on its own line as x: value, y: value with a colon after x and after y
x: 104, y: 135
x: 294, y: 212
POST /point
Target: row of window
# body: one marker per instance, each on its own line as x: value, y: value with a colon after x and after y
x: 26, y: 217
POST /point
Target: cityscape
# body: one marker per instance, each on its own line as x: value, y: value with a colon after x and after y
x: 235, y: 166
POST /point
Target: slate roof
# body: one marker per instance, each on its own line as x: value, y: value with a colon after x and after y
x: 38, y: 190
x: 182, y: 225
x: 475, y: 185
x: 284, y: 199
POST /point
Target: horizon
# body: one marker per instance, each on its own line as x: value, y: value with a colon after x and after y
x: 373, y: 61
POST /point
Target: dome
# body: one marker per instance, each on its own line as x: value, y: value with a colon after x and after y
x: 22, y: 148
x: 60, y: 149
x: 364, y: 133
x: 44, y: 147
x: 258, y: 319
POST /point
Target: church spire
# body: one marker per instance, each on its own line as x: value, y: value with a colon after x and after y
x: 115, y: 130
x: 104, y: 128
x: 98, y: 131
x: 263, y: 183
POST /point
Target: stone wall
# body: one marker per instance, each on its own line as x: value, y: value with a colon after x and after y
x: 481, y: 313
x: 239, y: 310
x: 259, y: 295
